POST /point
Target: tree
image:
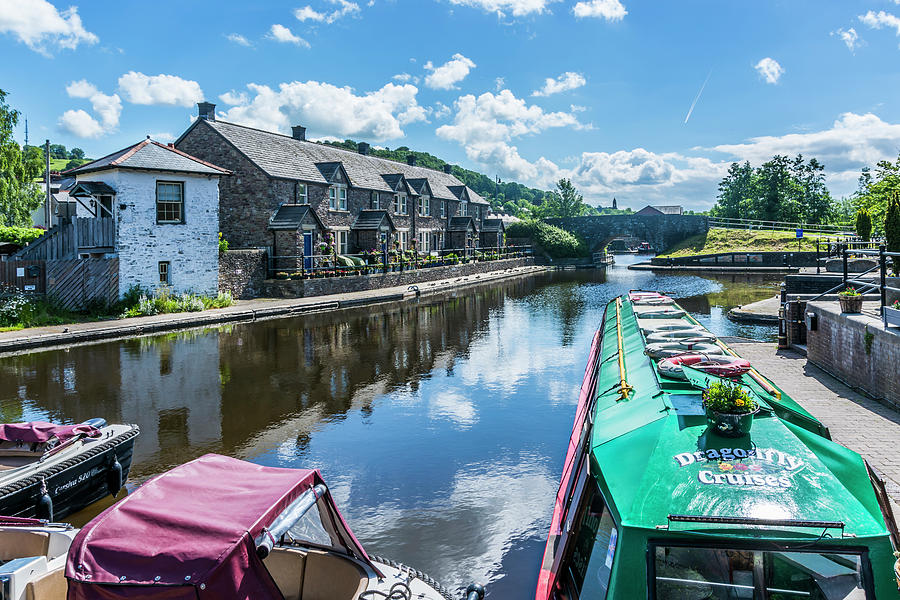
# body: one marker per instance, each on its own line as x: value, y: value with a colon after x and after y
x: 864, y: 224
x: 875, y: 189
x: 892, y: 229
x: 58, y: 151
x: 76, y: 154
x: 73, y: 163
x: 19, y: 195
x: 736, y: 192
x: 564, y: 202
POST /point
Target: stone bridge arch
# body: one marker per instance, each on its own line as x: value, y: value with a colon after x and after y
x: 661, y: 231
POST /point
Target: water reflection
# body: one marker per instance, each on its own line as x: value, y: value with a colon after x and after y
x: 440, y: 426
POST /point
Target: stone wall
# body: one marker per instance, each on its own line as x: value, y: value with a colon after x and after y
x: 838, y: 345
x: 751, y: 259
x: 243, y: 272
x: 302, y: 288
x: 662, y: 231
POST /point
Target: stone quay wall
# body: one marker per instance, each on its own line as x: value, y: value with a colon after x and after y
x: 661, y: 231
x: 838, y: 345
x: 302, y: 288
x: 243, y: 272
x: 749, y: 259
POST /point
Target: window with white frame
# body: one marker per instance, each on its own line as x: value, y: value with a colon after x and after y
x: 337, y: 197
x: 443, y: 208
x: 477, y: 213
x: 400, y: 202
x: 424, y: 239
x: 169, y: 202
x: 302, y: 194
x: 464, y: 209
x: 404, y: 240
x: 375, y: 201
x: 342, y: 236
x: 425, y: 206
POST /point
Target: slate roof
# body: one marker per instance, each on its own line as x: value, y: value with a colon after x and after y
x: 649, y: 211
x: 291, y: 216
x: 670, y: 210
x: 372, y: 219
x: 460, y: 223
x: 284, y: 157
x: 148, y: 155
x: 91, y: 188
x: 493, y: 225
x: 420, y: 185
x: 328, y: 169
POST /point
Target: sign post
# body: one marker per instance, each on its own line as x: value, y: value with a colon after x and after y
x: 799, y: 238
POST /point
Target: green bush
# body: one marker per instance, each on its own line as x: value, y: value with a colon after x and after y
x: 864, y: 224
x: 892, y: 229
x: 557, y: 242
x: 20, y: 235
x: 223, y: 244
x: 163, y: 300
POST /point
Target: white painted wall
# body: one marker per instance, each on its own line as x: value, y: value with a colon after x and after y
x: 192, y: 248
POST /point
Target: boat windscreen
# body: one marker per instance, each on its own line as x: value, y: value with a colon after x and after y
x: 683, y: 573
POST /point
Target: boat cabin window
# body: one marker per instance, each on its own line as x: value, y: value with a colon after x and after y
x: 310, y: 529
x: 586, y: 569
x: 683, y: 572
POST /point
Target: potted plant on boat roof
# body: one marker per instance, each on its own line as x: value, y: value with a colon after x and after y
x: 851, y: 300
x: 729, y: 409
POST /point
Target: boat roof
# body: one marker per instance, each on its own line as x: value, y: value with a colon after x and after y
x: 786, y: 468
x: 194, y: 527
x: 40, y: 431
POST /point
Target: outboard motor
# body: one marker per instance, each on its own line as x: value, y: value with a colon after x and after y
x: 96, y: 422
x: 44, y: 506
x: 114, y: 477
x: 475, y: 591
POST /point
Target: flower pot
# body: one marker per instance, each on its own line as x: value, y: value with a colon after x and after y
x: 851, y: 304
x: 730, y: 424
x: 892, y: 316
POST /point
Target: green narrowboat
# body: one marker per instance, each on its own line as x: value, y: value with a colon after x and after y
x: 659, y: 500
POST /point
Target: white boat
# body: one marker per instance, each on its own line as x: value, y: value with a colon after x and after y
x: 33, y: 555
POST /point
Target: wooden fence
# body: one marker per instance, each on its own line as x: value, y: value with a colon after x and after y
x: 67, y: 240
x: 24, y: 275
x: 76, y: 283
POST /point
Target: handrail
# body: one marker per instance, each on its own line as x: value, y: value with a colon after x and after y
x: 755, y: 521
x: 624, y: 388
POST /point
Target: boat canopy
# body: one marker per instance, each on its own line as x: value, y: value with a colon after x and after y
x: 39, y: 432
x: 190, y: 533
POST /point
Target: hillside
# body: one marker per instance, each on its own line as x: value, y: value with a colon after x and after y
x: 740, y: 240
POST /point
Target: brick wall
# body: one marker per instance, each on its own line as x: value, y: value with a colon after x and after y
x: 243, y: 272
x: 339, y: 285
x: 838, y: 346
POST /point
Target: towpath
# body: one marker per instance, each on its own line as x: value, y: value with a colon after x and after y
x: 241, y: 311
x: 854, y: 419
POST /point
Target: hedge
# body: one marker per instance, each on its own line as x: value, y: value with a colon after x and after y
x: 20, y: 235
x: 557, y: 242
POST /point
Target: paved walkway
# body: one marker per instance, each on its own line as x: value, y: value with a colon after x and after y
x: 855, y: 420
x: 763, y: 311
x: 243, y: 310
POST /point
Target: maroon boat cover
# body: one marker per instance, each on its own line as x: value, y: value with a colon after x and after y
x: 189, y: 534
x: 38, y: 431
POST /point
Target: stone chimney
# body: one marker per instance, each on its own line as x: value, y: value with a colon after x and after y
x: 448, y: 169
x: 363, y: 148
x: 298, y: 132
x: 411, y: 160
x: 206, y: 110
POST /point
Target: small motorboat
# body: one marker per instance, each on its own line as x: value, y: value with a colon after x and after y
x: 218, y: 527
x: 33, y: 555
x: 50, y: 471
x: 719, y: 365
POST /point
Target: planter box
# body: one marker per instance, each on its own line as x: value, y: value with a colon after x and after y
x: 850, y: 304
x: 891, y: 316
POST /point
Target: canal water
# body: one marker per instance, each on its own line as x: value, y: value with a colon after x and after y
x: 440, y: 426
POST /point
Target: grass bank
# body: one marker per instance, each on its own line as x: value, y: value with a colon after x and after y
x: 740, y: 240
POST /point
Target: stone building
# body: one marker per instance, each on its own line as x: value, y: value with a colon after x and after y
x: 164, y: 205
x: 412, y: 205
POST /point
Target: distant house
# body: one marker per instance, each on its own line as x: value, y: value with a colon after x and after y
x: 162, y: 206
x: 655, y: 211
x: 492, y: 233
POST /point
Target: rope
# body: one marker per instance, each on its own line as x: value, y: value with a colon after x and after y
x: 398, y: 591
x: 624, y: 388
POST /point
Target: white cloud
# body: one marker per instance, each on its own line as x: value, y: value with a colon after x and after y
x: 499, y: 83
x: 849, y: 37
x: 769, y: 69
x: 517, y: 8
x: 40, y: 26
x: 162, y: 136
x: 159, y: 89
x: 238, y: 39
x: 234, y: 98
x: 280, y: 33
x: 446, y: 76
x: 107, y: 107
x: 344, y: 8
x: 881, y: 19
x: 566, y: 81
x: 611, y: 10
x: 485, y: 125
x: 441, y: 110
x: 330, y: 110
x: 404, y: 78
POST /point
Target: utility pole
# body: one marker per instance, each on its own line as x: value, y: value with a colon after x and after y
x: 48, y: 213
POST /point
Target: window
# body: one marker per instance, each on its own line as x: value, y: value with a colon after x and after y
x: 425, y: 206
x: 443, y: 208
x: 337, y: 197
x: 463, y: 209
x: 477, y: 213
x: 341, y: 237
x: 164, y: 272
x: 424, y: 238
x: 169, y: 202
x: 404, y: 240
x: 693, y: 572
x: 104, y: 206
x: 302, y: 194
x: 400, y: 200
x: 375, y: 201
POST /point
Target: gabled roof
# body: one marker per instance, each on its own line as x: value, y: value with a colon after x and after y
x: 461, y: 224
x: 460, y: 192
x: 91, y: 188
x: 372, y: 219
x: 290, y: 217
x: 284, y: 157
x: 394, y: 181
x: 420, y: 185
x: 493, y: 225
x: 148, y: 155
x: 329, y: 170
x: 649, y: 211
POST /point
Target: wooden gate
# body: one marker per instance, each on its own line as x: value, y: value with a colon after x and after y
x: 24, y: 275
x: 76, y: 283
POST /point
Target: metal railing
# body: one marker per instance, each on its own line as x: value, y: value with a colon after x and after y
x: 812, y: 228
x: 385, y: 261
x: 831, y: 248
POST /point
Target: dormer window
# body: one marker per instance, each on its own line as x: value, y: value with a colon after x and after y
x: 400, y: 200
x: 425, y: 206
x: 337, y: 197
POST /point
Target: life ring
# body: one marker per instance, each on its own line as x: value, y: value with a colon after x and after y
x: 661, y: 313
x: 667, y: 349
x: 697, y: 335
x: 719, y: 365
x: 683, y: 326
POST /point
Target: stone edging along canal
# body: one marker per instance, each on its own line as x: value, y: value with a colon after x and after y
x: 26, y: 340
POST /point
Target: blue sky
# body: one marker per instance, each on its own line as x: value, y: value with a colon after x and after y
x: 529, y: 90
